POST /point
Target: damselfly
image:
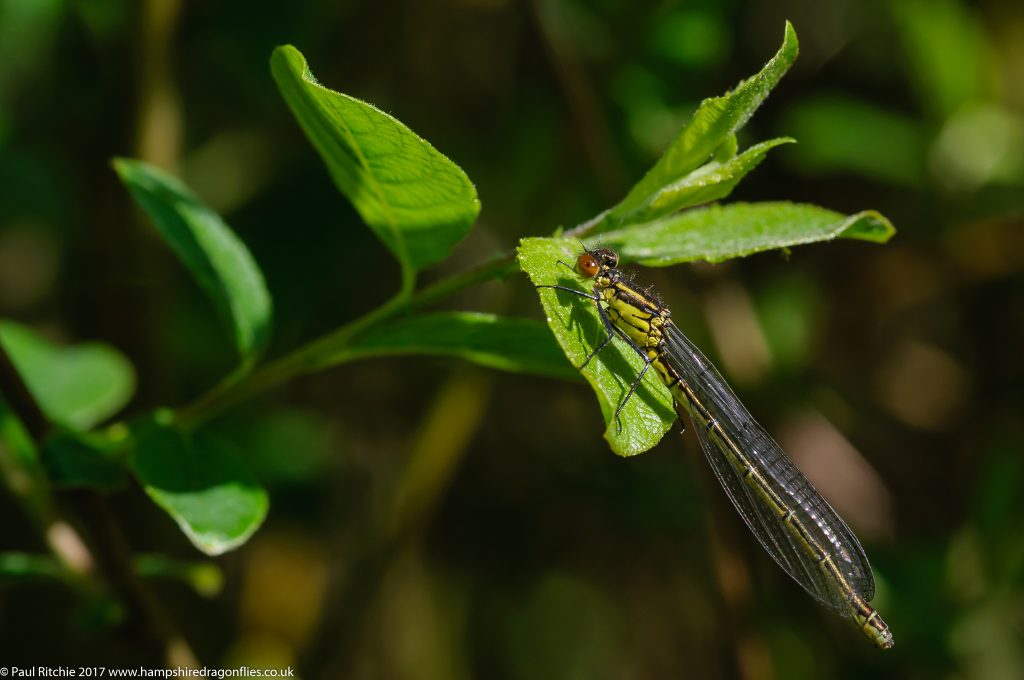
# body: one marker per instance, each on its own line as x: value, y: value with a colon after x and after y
x: 797, y: 527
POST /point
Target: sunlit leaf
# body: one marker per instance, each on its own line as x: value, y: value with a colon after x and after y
x: 718, y: 233
x: 713, y: 125
x: 578, y: 329
x: 202, y: 485
x: 77, y: 386
x: 417, y: 201
x: 710, y: 182
x: 714, y: 234
x: 214, y: 255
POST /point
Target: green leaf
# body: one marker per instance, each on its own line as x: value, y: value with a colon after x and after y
x: 217, y: 258
x: 77, y: 386
x: 20, y: 566
x: 202, y: 485
x: 16, y: 444
x: 417, y: 201
x: 578, y: 329
x: 718, y: 233
x: 713, y: 125
x: 517, y: 345
x: 206, y: 578
x: 84, y: 460
x: 710, y: 182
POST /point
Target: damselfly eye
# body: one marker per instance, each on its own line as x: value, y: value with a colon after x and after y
x: 587, y: 265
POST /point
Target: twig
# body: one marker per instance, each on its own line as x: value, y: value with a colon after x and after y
x: 176, y: 651
x: 28, y: 483
x: 20, y: 400
x: 323, y: 352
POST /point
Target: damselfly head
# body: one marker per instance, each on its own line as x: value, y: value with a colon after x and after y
x: 593, y: 261
x: 587, y: 265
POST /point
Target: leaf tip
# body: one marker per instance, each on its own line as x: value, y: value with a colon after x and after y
x: 287, y: 51
x: 879, y: 228
x: 288, y: 60
x: 790, y: 43
x: 123, y: 166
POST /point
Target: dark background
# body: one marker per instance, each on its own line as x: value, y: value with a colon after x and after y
x: 433, y: 520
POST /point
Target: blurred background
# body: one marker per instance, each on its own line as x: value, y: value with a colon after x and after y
x: 435, y: 520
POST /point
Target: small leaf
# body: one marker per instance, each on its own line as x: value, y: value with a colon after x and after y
x: 710, y: 182
x: 712, y: 126
x: 727, y: 150
x: 206, y: 578
x: 217, y: 258
x: 83, y: 460
x: 20, y: 566
x: 16, y: 444
x: 77, y: 386
x: 718, y: 233
x: 517, y: 345
x: 649, y: 412
x: 417, y: 201
x: 202, y: 485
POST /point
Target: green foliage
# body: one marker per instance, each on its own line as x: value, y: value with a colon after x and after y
x: 16, y: 441
x: 714, y: 180
x: 88, y: 459
x: 517, y: 345
x: 78, y: 386
x: 671, y: 183
x: 701, y: 165
x: 19, y: 566
x: 205, y: 578
x: 905, y: 357
x: 574, y: 321
x: 418, y: 203
x: 214, y: 255
x: 201, y: 484
x: 714, y: 234
x: 719, y: 233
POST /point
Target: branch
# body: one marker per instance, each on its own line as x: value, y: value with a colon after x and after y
x: 313, y: 356
x: 29, y: 485
x: 20, y: 400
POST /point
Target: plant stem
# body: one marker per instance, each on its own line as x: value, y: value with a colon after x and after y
x: 327, y: 350
x: 30, y: 486
x: 20, y: 399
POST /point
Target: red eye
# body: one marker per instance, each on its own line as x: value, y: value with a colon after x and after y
x: 587, y: 265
